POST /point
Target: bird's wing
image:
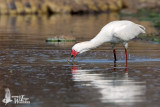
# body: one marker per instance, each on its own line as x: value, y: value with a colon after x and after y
x: 7, y: 94
x: 128, y: 32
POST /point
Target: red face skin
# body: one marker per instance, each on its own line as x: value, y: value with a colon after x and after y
x: 74, y: 53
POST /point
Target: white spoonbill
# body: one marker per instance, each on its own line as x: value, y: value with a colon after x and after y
x: 114, y: 32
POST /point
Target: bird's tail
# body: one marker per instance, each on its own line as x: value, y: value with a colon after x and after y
x: 142, y: 28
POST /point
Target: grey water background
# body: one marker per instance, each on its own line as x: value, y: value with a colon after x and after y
x: 29, y: 66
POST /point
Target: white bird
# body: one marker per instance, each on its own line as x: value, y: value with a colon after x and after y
x: 7, y: 98
x: 114, y: 32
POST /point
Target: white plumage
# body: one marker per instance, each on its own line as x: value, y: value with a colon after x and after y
x: 114, y: 32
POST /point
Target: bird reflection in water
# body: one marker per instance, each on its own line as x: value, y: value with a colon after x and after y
x: 114, y: 87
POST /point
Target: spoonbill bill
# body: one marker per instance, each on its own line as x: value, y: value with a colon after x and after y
x: 114, y: 33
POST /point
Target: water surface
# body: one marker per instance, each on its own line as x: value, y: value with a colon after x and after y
x: 29, y: 66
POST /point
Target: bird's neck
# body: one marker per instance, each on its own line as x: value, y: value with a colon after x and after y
x: 97, y: 41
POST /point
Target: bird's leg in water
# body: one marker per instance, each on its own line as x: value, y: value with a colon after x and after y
x: 126, y: 58
x: 114, y: 68
x: 115, y: 59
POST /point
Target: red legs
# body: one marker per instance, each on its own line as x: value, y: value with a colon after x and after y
x: 114, y: 52
x: 126, y: 58
x: 114, y: 68
x: 125, y: 44
x: 115, y: 58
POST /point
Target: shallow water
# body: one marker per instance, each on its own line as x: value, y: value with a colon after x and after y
x: 29, y: 66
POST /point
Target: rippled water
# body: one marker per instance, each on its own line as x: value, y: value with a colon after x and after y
x: 29, y: 66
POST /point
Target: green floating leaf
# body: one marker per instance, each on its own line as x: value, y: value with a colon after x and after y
x: 58, y: 40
